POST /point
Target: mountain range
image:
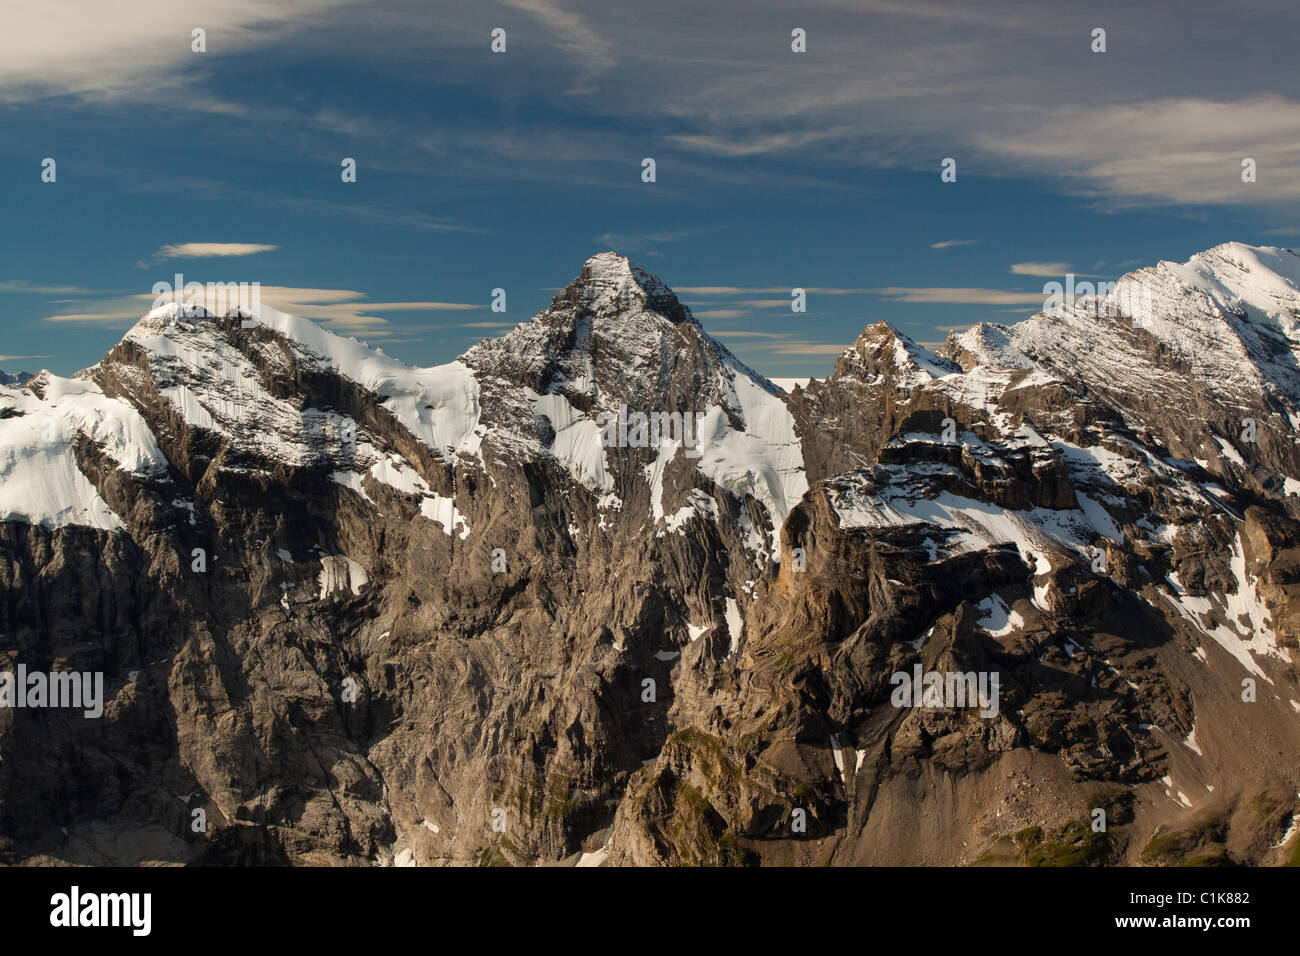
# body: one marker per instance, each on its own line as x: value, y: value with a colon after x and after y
x: 350, y: 611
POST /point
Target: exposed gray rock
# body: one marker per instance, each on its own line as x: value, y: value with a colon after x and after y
x: 358, y: 613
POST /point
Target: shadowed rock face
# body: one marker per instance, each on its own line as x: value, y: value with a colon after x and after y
x: 359, y: 613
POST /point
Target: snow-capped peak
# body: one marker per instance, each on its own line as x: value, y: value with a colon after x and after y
x: 882, y: 351
x: 617, y: 339
x: 214, y: 369
x: 41, y: 481
x: 984, y: 344
x: 1263, y: 279
x: 611, y: 283
x: 177, y: 310
x: 1229, y: 317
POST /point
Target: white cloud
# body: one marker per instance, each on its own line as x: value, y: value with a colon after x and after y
x: 344, y: 310
x: 106, y: 50
x: 205, y: 250
x: 101, y: 317
x: 582, y: 39
x: 950, y: 243
x: 960, y: 296
x: 1048, y: 270
x: 741, y: 290
x: 1173, y: 150
x: 756, y: 144
x: 766, y: 303
x: 713, y: 90
x: 808, y: 348
x: 340, y: 310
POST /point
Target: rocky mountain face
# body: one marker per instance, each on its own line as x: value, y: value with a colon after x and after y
x: 598, y: 593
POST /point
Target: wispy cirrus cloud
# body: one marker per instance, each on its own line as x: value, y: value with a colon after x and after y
x: 382, y: 213
x: 346, y: 310
x: 779, y: 343
x: 758, y: 290
x: 340, y: 310
x: 1140, y: 131
x: 99, y: 316
x: 808, y: 348
x: 25, y: 287
x: 952, y: 243
x: 645, y: 243
x: 581, y: 38
x: 962, y: 296
x: 760, y: 144
x: 107, y: 51
x: 1174, y: 150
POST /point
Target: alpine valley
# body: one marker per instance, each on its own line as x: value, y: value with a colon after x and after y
x: 357, y: 612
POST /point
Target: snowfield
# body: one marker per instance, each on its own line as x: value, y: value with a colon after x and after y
x: 40, y: 481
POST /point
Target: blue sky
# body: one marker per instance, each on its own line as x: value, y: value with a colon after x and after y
x: 774, y: 169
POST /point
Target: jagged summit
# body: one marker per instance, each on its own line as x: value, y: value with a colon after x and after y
x: 1265, y: 279
x: 618, y: 338
x: 610, y: 282
x: 985, y: 343
x: 170, y: 311
x: 615, y: 330
x: 882, y: 349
